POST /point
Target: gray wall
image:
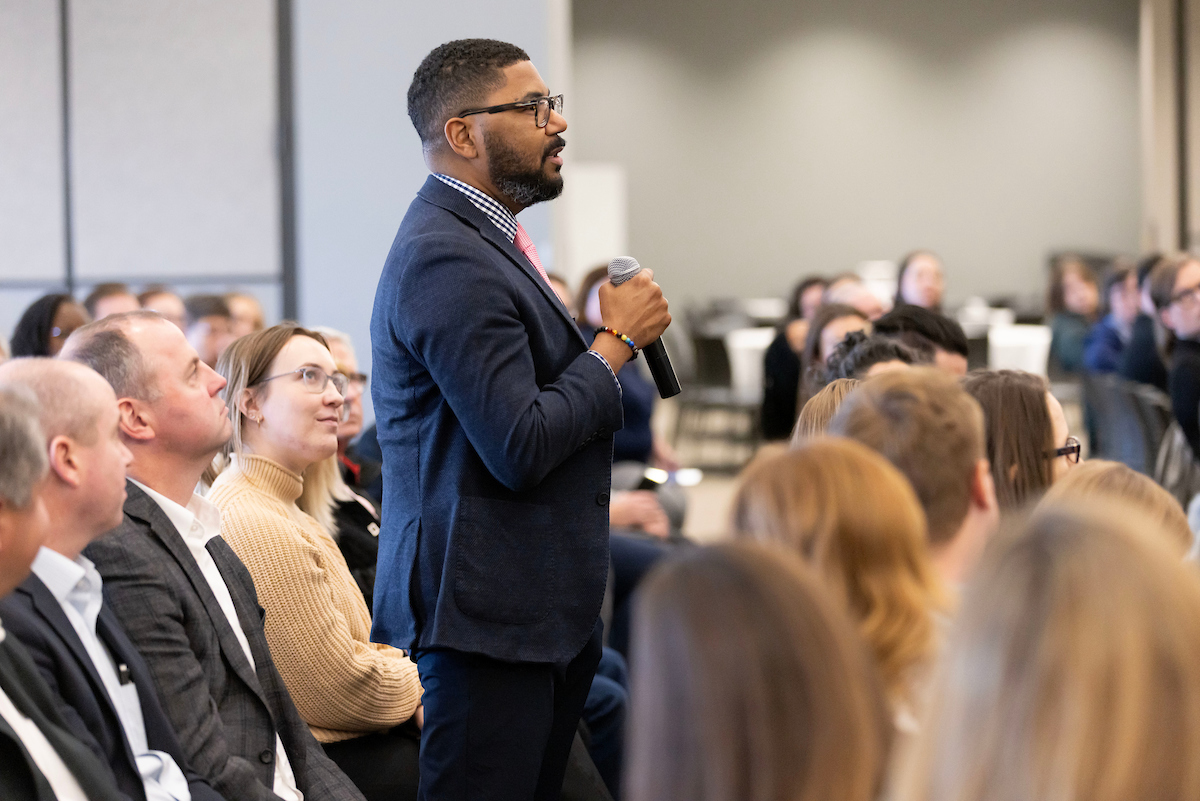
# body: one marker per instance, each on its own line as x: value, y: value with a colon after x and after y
x: 771, y: 139
x: 359, y: 160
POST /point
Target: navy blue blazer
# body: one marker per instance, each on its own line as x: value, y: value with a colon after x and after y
x: 33, y: 616
x: 496, y: 431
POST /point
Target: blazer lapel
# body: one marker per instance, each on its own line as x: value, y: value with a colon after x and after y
x: 141, y: 506
x: 455, y: 202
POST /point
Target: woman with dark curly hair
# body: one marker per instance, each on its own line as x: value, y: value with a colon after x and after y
x: 46, y: 324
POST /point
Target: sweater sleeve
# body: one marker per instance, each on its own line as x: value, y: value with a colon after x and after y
x: 338, y: 681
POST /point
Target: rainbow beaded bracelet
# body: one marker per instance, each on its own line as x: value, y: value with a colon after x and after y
x: 620, y: 336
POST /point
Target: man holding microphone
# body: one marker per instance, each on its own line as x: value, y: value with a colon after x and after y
x: 495, y: 420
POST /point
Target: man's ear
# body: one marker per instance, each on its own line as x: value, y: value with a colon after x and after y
x: 1164, y: 319
x: 983, y: 487
x: 65, y: 460
x: 462, y: 137
x: 136, y: 420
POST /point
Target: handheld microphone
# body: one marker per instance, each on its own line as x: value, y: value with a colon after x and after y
x: 620, y: 270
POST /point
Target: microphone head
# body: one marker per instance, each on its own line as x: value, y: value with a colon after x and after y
x: 622, y: 268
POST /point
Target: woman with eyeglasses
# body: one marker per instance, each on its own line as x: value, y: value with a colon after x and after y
x: 276, y: 496
x: 1175, y: 290
x: 1028, y: 442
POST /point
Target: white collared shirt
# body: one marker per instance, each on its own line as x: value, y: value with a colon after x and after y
x: 77, y: 586
x: 198, y: 523
x: 62, y: 781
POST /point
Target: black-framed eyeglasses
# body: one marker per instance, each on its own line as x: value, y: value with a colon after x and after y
x: 1071, y: 450
x: 1192, y: 295
x: 542, y: 105
x: 315, y: 379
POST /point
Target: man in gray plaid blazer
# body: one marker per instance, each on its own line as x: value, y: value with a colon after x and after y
x: 186, y: 601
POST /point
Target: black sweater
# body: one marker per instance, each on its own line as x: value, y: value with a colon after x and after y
x: 1184, y: 386
x: 1140, y: 362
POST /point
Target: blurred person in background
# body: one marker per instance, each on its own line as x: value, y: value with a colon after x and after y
x: 921, y: 281
x: 1029, y: 445
x: 1072, y: 306
x: 246, y: 313
x: 1108, y: 338
x: 850, y: 290
x: 935, y: 336
x: 855, y: 518
x: 1141, y: 361
x: 1072, y: 672
x: 46, y: 324
x: 209, y: 326
x: 164, y: 301
x: 110, y: 298
x: 782, y: 362
x: 749, y: 682
x: 1175, y: 287
x: 829, y: 326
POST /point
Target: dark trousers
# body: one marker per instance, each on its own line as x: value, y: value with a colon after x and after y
x: 499, y: 730
x: 383, y: 765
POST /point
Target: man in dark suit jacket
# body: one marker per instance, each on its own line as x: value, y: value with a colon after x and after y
x: 495, y: 420
x: 104, y: 690
x: 39, y: 758
x: 199, y: 628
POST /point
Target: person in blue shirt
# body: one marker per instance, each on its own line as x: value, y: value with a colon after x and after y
x: 1107, y: 339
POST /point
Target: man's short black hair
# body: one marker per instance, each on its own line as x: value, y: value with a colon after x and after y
x: 912, y: 324
x: 454, y: 77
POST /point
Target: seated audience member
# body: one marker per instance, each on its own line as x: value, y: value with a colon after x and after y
x: 563, y: 289
x: 920, y: 282
x: 1109, y: 337
x: 1141, y: 360
x: 751, y: 684
x: 110, y: 298
x: 829, y: 327
x: 936, y: 337
x: 1175, y: 285
x: 1073, y: 670
x: 103, y: 688
x: 1071, y: 308
x: 186, y: 601
x: 815, y: 416
x: 40, y: 760
x: 855, y: 518
x: 849, y: 290
x: 925, y: 423
x: 209, y: 326
x: 162, y: 300
x: 1099, y: 479
x: 45, y: 326
x: 781, y: 362
x: 245, y: 312
x: 862, y: 355
x: 361, y: 699
x: 1029, y: 445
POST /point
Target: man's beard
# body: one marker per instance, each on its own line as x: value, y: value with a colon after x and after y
x: 523, y: 185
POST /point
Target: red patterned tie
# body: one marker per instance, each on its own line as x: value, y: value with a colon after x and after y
x: 525, y: 245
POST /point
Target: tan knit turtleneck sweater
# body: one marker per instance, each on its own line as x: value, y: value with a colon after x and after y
x: 317, y: 623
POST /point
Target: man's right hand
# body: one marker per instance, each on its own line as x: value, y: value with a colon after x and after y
x: 636, y: 308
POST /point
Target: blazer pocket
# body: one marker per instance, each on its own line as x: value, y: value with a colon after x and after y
x: 505, y: 560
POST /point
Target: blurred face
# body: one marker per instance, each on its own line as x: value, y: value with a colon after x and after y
x: 1058, y: 424
x: 836, y: 331
x: 1123, y: 300
x: 592, y: 309
x: 247, y: 315
x: 22, y: 533
x: 1079, y: 294
x: 69, y: 316
x: 170, y: 306
x: 923, y: 283
x: 295, y: 426
x: 210, y: 336
x: 352, y: 413
x: 810, y: 300
x: 188, y: 415
x: 954, y: 363
x: 116, y: 304
x: 102, y: 468
x: 1183, y: 314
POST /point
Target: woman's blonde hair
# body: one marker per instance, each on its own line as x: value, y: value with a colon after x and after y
x: 1099, y: 478
x: 751, y: 684
x: 244, y: 364
x: 1073, y: 671
x: 854, y: 517
x: 819, y: 410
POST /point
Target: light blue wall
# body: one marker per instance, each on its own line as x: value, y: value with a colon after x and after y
x: 358, y: 162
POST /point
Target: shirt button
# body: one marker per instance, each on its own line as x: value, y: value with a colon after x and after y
x: 602, y: 499
x: 267, y: 757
